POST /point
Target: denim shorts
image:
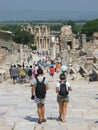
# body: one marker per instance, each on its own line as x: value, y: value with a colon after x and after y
x: 38, y: 100
x: 61, y: 99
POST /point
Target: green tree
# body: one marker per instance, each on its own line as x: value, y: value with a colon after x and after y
x: 89, y: 28
x: 55, y: 27
x: 12, y: 28
x: 24, y: 37
x: 73, y: 25
x: 19, y: 36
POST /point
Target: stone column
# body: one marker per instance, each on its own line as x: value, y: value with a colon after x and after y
x: 20, y: 54
x: 73, y: 42
x: 46, y: 43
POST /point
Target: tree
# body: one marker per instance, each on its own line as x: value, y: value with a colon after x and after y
x: 90, y: 27
x: 55, y: 27
x: 12, y: 28
x: 73, y: 25
x: 24, y: 37
x: 19, y: 36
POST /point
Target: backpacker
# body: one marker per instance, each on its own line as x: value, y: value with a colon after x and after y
x: 40, y: 89
x: 30, y: 72
x: 63, y: 90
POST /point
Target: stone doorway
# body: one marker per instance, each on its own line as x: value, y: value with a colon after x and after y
x: 69, y: 44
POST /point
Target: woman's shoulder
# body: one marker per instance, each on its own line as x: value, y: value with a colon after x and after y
x: 67, y: 83
x: 42, y: 77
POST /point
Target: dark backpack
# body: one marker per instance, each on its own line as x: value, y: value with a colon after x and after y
x: 30, y: 72
x: 63, y: 90
x: 40, y: 89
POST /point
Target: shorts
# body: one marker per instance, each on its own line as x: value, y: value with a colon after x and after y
x: 61, y: 99
x: 38, y: 100
x: 14, y: 77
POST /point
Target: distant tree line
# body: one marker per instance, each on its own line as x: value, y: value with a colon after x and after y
x: 78, y: 27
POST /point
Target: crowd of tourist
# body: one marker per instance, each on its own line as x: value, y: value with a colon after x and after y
x: 34, y: 74
x: 24, y: 73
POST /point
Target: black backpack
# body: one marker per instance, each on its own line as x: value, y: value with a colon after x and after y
x: 63, y: 90
x: 40, y: 89
x: 30, y: 72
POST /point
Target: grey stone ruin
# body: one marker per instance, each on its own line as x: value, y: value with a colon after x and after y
x: 82, y: 40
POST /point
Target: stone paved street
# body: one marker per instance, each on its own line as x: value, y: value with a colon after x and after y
x: 19, y: 112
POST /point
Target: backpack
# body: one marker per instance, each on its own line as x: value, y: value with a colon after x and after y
x: 63, y: 90
x: 22, y: 72
x: 30, y: 72
x: 40, y: 89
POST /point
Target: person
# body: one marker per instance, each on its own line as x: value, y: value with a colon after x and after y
x: 62, y: 96
x: 52, y: 70
x: 38, y: 100
x: 57, y: 67
x: 30, y: 72
x: 10, y: 71
x: 64, y: 69
x: 35, y: 69
x: 26, y: 71
x: 22, y: 75
x: 14, y: 74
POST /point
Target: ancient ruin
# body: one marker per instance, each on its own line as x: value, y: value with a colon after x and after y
x: 42, y: 36
x: 80, y: 56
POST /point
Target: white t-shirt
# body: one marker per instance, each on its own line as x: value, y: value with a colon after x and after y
x: 58, y: 85
x: 34, y: 82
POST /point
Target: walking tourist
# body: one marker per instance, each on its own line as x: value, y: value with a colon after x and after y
x: 39, y: 87
x: 62, y: 89
x: 14, y: 74
x: 57, y: 67
x: 64, y: 69
x: 10, y: 71
x: 52, y: 70
x: 30, y: 72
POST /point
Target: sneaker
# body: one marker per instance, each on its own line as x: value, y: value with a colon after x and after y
x: 39, y: 121
x: 59, y: 118
x: 43, y: 120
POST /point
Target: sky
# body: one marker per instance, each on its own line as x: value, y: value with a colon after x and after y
x: 78, y: 6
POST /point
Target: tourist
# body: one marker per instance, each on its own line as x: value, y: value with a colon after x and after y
x: 10, y: 71
x: 22, y: 75
x: 57, y: 67
x: 62, y: 88
x: 64, y: 69
x: 39, y: 100
x: 30, y: 73
x: 14, y: 74
x: 51, y: 71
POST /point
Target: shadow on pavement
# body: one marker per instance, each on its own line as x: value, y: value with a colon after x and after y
x: 29, y: 118
x: 52, y: 118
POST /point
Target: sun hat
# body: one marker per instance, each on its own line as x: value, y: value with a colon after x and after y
x: 64, y: 68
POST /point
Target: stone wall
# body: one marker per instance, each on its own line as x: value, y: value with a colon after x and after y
x: 4, y: 73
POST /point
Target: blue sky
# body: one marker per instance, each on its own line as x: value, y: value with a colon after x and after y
x: 70, y: 5
x: 48, y: 9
